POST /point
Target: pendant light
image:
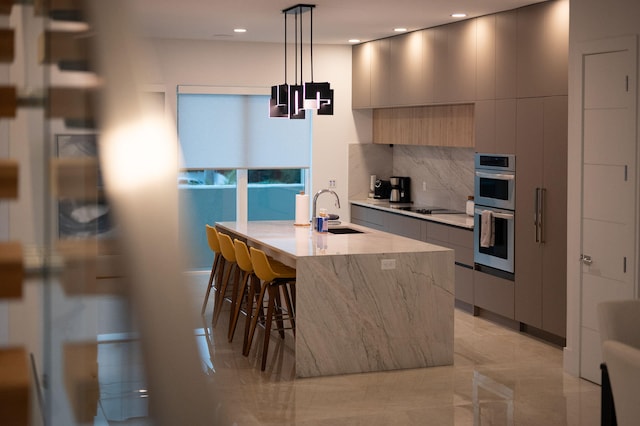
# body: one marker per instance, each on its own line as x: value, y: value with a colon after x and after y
x: 292, y: 100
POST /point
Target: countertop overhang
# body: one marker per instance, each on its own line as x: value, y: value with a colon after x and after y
x: 302, y: 241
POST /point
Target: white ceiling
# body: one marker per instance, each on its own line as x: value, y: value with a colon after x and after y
x: 335, y: 21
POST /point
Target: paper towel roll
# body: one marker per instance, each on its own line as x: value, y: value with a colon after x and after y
x: 302, y: 209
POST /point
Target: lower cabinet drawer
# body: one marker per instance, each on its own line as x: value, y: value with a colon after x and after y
x: 494, y: 294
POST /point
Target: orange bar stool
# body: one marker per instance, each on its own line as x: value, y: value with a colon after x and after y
x: 275, y: 278
x: 246, y: 292
x: 229, y: 254
x: 218, y: 263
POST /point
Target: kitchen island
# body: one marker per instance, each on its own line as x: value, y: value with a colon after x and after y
x: 366, y: 301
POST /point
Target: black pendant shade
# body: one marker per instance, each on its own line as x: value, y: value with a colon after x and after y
x: 296, y: 102
x: 292, y: 100
x: 279, y: 102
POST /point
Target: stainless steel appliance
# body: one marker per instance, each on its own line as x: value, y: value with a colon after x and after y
x: 494, y: 214
x: 400, y: 189
x: 499, y: 254
x: 495, y: 180
x: 382, y: 189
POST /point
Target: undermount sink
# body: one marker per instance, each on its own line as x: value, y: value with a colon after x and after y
x: 344, y: 230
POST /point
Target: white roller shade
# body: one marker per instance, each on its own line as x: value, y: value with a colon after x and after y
x: 223, y: 131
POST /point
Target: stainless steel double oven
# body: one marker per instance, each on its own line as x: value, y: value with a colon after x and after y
x: 494, y: 219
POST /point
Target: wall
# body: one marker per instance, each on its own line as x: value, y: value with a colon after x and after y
x: 589, y: 20
x: 239, y: 64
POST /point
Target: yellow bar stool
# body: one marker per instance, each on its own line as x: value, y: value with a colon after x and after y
x: 275, y: 277
x: 229, y: 254
x: 246, y: 292
x: 218, y: 263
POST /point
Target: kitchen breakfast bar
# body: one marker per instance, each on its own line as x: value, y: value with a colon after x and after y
x: 366, y: 300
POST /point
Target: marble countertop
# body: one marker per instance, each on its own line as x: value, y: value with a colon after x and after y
x: 460, y: 220
x: 301, y: 241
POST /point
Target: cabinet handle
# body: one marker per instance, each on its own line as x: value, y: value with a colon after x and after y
x: 536, y: 214
x: 541, y: 218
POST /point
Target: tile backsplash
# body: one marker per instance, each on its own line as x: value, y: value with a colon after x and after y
x: 446, y: 172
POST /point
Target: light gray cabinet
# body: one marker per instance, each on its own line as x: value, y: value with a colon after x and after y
x: 542, y: 52
x: 408, y: 82
x: 380, y: 72
x: 361, y: 76
x: 371, y: 218
x: 506, y: 54
x: 495, y: 126
x: 461, y: 241
x: 455, y: 62
x: 494, y: 294
x: 404, y: 225
x: 541, y: 193
x: 486, y: 57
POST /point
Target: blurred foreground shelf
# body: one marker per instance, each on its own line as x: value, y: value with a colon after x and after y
x: 11, y: 270
x: 8, y: 178
x: 14, y: 387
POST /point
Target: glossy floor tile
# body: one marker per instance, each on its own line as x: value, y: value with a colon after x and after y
x: 499, y: 377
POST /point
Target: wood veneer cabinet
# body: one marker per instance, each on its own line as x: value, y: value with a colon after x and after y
x: 435, y: 125
x: 540, y: 262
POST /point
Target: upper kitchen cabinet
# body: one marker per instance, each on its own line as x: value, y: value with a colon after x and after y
x: 495, y: 126
x: 455, y: 62
x: 434, y: 125
x: 410, y: 83
x: 506, y: 54
x: 543, y: 49
x: 486, y: 57
x: 380, y: 72
x: 361, y: 76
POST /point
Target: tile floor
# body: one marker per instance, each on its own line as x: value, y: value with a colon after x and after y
x: 499, y: 377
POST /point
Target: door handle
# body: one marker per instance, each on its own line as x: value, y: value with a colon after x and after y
x: 539, y: 214
x: 586, y: 259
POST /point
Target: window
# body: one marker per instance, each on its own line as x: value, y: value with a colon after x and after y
x: 237, y: 163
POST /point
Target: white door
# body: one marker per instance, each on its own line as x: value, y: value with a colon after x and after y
x: 608, y: 193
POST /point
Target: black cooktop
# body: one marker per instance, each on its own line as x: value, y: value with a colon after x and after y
x: 429, y: 210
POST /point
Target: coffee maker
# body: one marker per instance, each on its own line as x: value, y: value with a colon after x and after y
x: 400, y: 189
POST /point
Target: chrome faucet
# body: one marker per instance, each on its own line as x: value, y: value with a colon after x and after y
x: 315, y: 199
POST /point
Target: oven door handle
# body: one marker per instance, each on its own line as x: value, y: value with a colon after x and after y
x: 507, y: 216
x: 501, y: 176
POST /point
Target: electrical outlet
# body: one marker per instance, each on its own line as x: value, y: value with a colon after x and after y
x: 332, y: 183
x: 424, y: 185
x: 387, y: 264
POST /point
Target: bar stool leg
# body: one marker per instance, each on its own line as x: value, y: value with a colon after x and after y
x: 239, y: 299
x: 273, y: 291
x: 254, y: 320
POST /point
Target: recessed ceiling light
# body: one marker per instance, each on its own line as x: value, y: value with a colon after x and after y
x: 400, y: 30
x: 240, y: 30
x: 354, y: 40
x: 458, y: 15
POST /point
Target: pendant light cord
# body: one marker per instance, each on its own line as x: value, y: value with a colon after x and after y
x: 285, y: 48
x: 311, y: 48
